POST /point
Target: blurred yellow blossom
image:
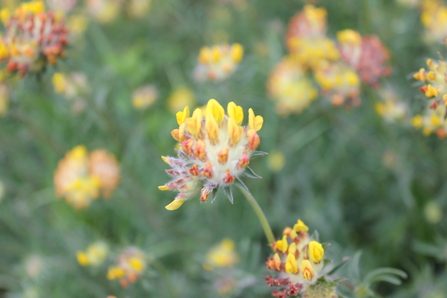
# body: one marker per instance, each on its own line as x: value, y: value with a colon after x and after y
x: 306, y: 37
x: 104, y: 167
x: 339, y: 82
x: 290, y: 88
x: 221, y: 255
x: 130, y: 264
x: 77, y: 24
x: 434, y: 19
x: 103, y: 11
x: 144, y: 97
x: 218, y: 62
x: 390, y: 107
x: 33, y: 37
x: 215, y: 150
x: 180, y: 97
x: 74, y: 86
x: 94, y: 255
x: 366, y: 54
x: 276, y: 160
x: 80, y: 178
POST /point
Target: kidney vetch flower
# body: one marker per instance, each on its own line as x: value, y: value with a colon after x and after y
x: 218, y: 62
x: 33, y: 38
x: 215, y: 150
x: 130, y: 264
x: 299, y: 261
x: 80, y: 177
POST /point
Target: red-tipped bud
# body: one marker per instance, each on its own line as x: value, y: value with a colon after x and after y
x: 434, y: 105
x: 200, y: 149
x: 208, y: 170
x: 244, y: 161
x: 205, y: 193
x: 253, y: 139
x: 187, y: 146
x: 222, y: 156
x: 194, y: 170
x: 228, y: 179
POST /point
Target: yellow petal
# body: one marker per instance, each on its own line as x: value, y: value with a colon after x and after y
x: 174, y: 205
x: 234, y: 131
x: 237, y: 52
x: 291, y: 265
x: 316, y: 251
x: 163, y: 188
x: 254, y: 122
x: 235, y: 112
x: 214, y: 108
x: 182, y: 115
x: 300, y: 226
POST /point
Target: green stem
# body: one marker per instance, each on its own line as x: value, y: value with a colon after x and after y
x: 264, y: 222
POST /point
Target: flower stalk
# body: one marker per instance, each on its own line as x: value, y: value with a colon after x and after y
x: 259, y: 213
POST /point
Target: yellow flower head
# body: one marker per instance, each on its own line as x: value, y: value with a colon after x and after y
x: 339, y: 82
x: 218, y: 62
x: 80, y: 177
x: 221, y: 255
x: 215, y: 150
x: 130, y: 264
x: 144, y: 97
x: 289, y: 87
x: 434, y: 19
x: 276, y: 160
x: 298, y: 260
x: 390, y: 107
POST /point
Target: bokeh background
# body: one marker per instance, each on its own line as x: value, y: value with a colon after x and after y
x: 367, y: 185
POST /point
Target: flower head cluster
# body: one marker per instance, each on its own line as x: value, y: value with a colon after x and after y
x: 298, y: 259
x: 306, y: 37
x: 218, y: 62
x: 214, y: 150
x: 339, y: 82
x: 33, y: 38
x: 435, y: 91
x: 366, y: 54
x: 130, y: 264
x: 338, y: 69
x: 144, y: 97
x: 80, y: 177
x: 74, y: 86
x: 290, y: 88
x: 390, y: 107
x: 94, y: 255
x: 434, y: 19
x: 221, y: 256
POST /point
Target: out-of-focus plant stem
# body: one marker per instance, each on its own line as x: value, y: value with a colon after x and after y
x: 264, y: 222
